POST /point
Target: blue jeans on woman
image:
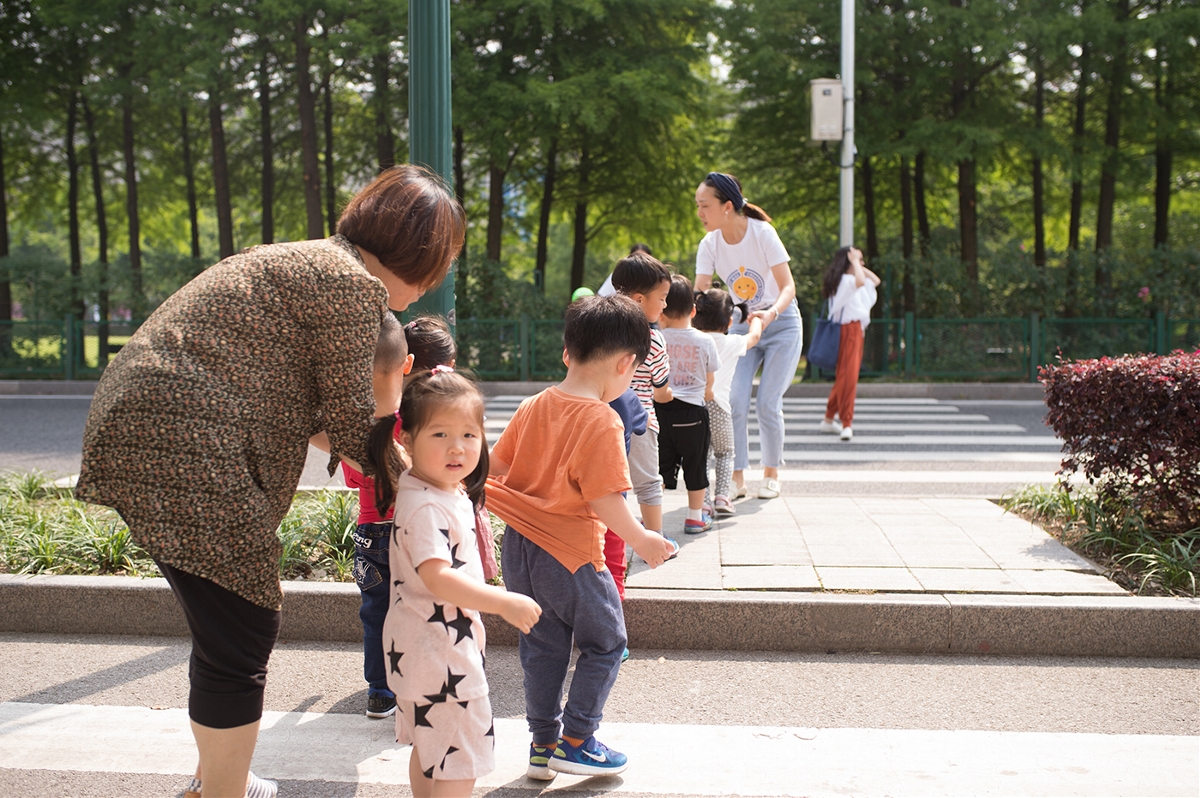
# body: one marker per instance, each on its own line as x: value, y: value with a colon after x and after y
x: 778, y: 353
x: 372, y: 574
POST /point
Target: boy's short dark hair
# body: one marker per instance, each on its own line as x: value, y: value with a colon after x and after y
x: 391, y: 350
x: 680, y: 297
x: 639, y: 273
x: 714, y: 310
x: 599, y: 326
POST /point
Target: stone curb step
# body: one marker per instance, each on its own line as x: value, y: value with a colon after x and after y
x: 1120, y: 626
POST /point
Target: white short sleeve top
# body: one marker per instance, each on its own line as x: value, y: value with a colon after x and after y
x: 745, y: 266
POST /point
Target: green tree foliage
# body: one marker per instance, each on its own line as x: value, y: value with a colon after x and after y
x: 1012, y: 157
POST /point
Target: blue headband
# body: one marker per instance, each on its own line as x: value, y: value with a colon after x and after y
x: 728, y: 188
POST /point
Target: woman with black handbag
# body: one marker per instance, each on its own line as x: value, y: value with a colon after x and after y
x: 849, y: 288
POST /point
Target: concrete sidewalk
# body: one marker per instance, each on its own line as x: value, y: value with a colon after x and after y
x: 894, y: 574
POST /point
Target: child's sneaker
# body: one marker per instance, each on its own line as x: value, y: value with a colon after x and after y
x: 592, y: 758
x: 539, y: 762
x: 693, y: 527
x: 380, y: 705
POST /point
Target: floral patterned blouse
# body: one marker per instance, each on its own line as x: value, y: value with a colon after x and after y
x: 198, y: 431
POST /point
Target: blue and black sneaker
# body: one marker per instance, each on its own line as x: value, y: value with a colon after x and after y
x: 539, y: 762
x: 592, y: 758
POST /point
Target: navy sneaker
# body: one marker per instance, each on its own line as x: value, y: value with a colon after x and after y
x: 539, y: 762
x: 592, y: 758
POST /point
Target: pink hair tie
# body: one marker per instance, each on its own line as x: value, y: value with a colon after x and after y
x: 442, y: 370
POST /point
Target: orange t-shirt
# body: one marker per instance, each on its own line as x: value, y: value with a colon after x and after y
x: 563, y: 452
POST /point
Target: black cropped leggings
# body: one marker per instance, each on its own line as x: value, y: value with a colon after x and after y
x: 232, y: 640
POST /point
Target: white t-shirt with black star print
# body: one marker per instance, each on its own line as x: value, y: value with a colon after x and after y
x: 745, y: 267
x: 432, y: 648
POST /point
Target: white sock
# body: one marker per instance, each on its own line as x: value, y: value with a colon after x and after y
x: 695, y: 515
x: 261, y: 788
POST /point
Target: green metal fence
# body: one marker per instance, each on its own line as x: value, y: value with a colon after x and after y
x: 531, y: 349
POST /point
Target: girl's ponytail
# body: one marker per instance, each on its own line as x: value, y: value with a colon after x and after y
x: 383, y: 456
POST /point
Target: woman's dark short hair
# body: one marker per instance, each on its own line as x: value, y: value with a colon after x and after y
x: 714, y: 310
x: 680, y: 297
x: 410, y: 220
x: 600, y: 326
x: 639, y: 273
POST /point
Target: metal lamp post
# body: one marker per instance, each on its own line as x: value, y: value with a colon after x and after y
x: 429, y: 115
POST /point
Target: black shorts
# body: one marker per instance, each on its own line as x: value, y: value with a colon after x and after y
x: 683, y: 438
x: 232, y: 640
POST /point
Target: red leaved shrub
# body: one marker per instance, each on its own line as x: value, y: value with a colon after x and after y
x: 1132, y: 424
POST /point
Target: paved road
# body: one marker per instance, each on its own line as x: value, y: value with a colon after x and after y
x: 901, y: 446
x: 104, y: 716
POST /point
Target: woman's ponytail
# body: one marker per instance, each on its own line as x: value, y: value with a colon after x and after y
x: 752, y: 211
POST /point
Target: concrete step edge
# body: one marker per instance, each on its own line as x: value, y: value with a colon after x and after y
x: 1120, y: 626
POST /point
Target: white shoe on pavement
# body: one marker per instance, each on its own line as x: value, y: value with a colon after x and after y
x: 769, y: 489
x: 832, y: 427
x: 847, y: 434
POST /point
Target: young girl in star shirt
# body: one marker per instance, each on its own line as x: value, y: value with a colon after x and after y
x: 433, y: 636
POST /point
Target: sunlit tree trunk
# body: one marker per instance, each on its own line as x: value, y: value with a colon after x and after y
x: 579, y: 251
x: 268, y: 150
x: 308, y: 132
x: 101, y: 230
x: 539, y: 269
x: 189, y: 176
x: 216, y: 126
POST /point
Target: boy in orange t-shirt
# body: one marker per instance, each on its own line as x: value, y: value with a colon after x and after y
x: 558, y: 474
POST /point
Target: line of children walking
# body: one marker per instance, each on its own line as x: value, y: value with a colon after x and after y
x: 557, y: 479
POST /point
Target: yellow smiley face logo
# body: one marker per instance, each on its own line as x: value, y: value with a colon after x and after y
x: 744, y: 287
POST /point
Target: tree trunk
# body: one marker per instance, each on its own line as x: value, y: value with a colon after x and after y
x: 1163, y: 150
x: 268, y: 151
x: 1112, y: 142
x: 189, y: 175
x: 868, y: 182
x: 1039, y: 209
x: 924, y: 236
x: 5, y: 284
x: 385, y: 143
x: 906, y: 234
x: 308, y: 132
x: 495, y: 227
x: 330, y: 185
x: 101, y: 231
x: 460, y: 184
x: 138, y: 309
x: 216, y: 126
x: 539, y: 268
x: 968, y: 230
x: 579, y: 252
x: 73, y: 209
x: 1077, y: 146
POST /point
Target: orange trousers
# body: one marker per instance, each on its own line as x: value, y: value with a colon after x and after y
x: 845, y: 382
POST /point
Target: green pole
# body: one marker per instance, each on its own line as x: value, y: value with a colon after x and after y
x: 429, y: 115
x: 1162, y: 344
x: 1035, y: 345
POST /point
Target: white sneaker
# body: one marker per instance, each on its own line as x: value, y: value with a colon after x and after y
x: 832, y: 427
x: 847, y: 434
x: 769, y: 489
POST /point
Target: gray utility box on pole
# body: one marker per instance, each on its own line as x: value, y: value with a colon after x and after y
x: 826, y: 109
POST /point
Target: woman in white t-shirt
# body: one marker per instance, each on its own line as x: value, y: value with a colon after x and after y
x: 743, y: 249
x: 849, y: 288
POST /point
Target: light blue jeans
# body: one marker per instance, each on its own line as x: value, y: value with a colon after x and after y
x: 778, y: 353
